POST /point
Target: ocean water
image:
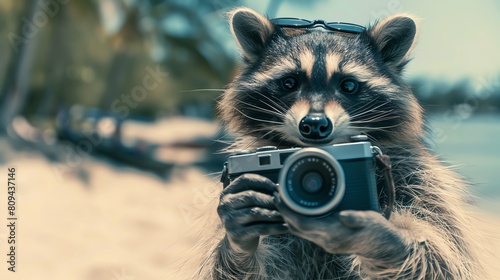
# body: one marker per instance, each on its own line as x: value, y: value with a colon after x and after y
x: 472, y: 145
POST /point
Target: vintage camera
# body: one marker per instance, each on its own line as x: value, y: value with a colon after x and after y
x: 314, y: 181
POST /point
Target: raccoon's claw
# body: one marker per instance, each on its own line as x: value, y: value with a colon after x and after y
x: 363, y: 233
x: 247, y: 211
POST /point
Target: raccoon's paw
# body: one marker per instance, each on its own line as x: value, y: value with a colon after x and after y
x: 247, y: 211
x: 364, y: 233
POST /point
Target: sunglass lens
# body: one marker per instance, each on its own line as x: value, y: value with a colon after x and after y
x: 292, y: 22
x: 346, y: 27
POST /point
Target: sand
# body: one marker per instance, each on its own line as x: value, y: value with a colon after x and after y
x: 103, y: 222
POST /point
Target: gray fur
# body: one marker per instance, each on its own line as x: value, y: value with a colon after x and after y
x: 429, y: 235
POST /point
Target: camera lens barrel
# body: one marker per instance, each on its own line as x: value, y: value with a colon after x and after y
x: 311, y: 182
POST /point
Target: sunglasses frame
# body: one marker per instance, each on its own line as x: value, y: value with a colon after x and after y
x: 334, y: 26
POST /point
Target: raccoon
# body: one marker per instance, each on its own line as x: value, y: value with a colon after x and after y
x: 315, y: 86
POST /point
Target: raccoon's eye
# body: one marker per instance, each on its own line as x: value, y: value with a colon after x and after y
x: 289, y: 83
x: 349, y: 86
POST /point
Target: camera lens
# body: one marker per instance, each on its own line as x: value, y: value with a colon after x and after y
x: 312, y: 182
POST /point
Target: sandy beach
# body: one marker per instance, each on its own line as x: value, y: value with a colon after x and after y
x: 103, y: 222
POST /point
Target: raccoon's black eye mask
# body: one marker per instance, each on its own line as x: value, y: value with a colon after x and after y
x: 304, y: 23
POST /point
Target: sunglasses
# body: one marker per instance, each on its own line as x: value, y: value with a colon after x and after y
x: 304, y: 23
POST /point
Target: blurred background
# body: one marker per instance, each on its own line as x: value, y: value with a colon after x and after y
x: 107, y: 114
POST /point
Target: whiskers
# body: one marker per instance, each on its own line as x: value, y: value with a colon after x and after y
x: 373, y: 118
x: 269, y: 112
x: 364, y: 118
x: 274, y: 105
x: 258, y: 109
x: 203, y: 90
x: 256, y: 119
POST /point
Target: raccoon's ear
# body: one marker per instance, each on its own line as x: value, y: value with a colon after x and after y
x: 395, y: 37
x: 251, y: 31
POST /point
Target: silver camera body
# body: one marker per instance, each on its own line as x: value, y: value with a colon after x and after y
x: 314, y: 181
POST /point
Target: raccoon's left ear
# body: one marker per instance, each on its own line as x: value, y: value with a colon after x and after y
x: 251, y: 31
x: 395, y: 37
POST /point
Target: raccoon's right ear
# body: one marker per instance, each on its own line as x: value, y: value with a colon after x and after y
x: 251, y: 31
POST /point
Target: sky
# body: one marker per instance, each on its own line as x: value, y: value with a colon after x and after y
x: 457, y: 39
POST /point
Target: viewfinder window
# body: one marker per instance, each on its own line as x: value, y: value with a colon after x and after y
x: 265, y: 160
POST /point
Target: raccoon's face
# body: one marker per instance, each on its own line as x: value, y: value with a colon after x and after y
x: 311, y: 87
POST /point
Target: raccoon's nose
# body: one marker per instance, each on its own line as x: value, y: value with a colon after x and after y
x: 315, y: 126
